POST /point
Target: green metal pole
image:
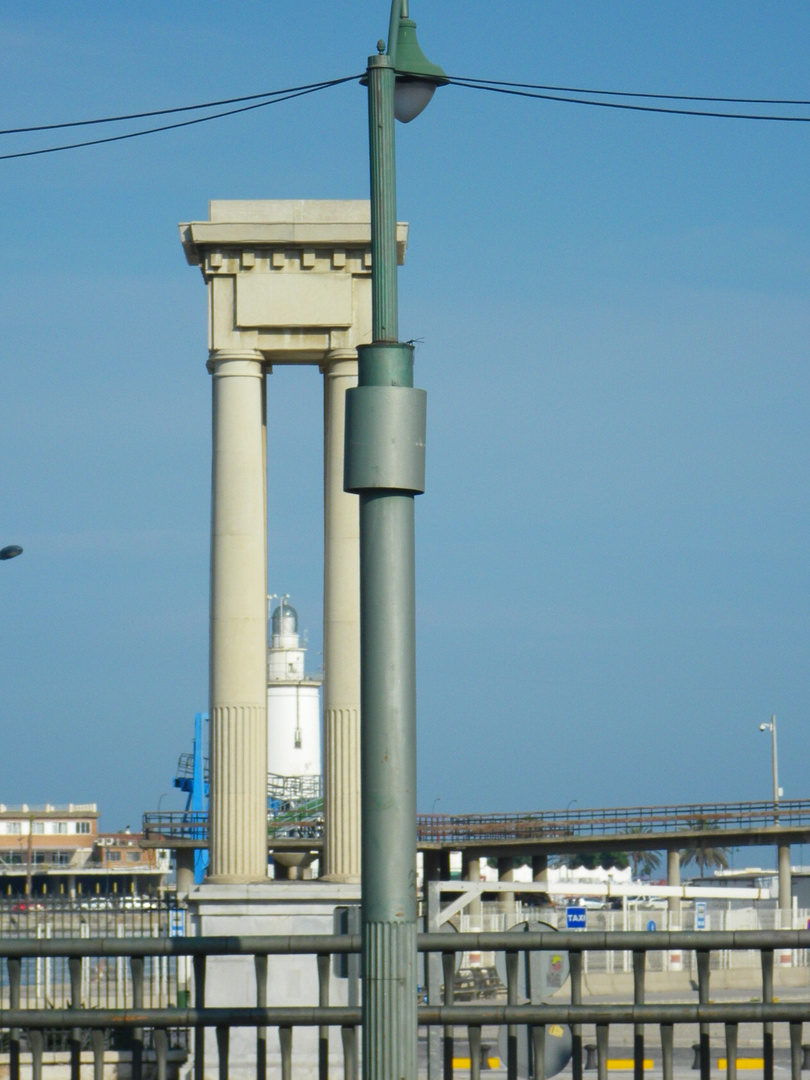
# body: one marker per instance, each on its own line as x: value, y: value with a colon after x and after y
x: 382, y: 162
x: 385, y: 439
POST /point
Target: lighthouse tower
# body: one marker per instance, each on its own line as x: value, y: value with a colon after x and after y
x: 293, y: 712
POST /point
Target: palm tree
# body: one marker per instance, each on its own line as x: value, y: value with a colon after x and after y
x: 645, y: 862
x: 704, y: 856
x: 713, y: 858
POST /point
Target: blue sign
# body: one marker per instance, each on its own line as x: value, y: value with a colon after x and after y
x: 575, y: 918
x: 177, y: 923
x: 651, y: 925
x: 700, y: 914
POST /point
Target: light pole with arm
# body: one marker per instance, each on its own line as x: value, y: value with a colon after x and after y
x: 385, y: 466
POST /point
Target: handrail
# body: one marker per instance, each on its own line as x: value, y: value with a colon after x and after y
x: 692, y: 818
x: 442, y: 1013
x: 577, y: 941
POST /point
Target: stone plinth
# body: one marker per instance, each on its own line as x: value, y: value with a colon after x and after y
x: 303, y: 907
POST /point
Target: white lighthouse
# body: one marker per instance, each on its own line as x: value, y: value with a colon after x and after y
x: 293, y: 712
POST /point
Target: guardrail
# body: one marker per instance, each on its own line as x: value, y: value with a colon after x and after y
x: 446, y: 1014
x: 687, y: 817
x: 692, y: 818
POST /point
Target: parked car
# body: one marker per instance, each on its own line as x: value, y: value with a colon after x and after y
x: 27, y: 905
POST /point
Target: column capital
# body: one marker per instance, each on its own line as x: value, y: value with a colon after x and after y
x: 249, y: 362
x: 339, y: 362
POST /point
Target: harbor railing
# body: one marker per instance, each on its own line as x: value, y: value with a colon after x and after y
x: 30, y: 1024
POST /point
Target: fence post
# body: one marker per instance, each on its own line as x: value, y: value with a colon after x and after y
x: 75, y: 969
x: 260, y: 964
x: 98, y: 1055
x: 285, y: 1041
x: 731, y: 1052
x: 575, y: 968
x: 449, y: 973
x: 136, y: 972
x: 349, y: 1037
x: 474, y: 1041
x: 796, y: 1051
x: 14, y: 965
x: 433, y: 976
x: 323, y: 1002
x: 538, y: 1043
x: 639, y: 960
x: 766, y: 959
x: 667, y: 1040
x: 703, y: 999
x: 199, y: 1003
x: 511, y: 1030
x: 161, y: 1053
x: 223, y: 1046
x: 602, y: 1033
x: 36, y: 1042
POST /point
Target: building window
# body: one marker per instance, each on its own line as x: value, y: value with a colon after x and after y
x: 14, y: 827
x: 133, y: 856
x: 82, y: 826
x: 37, y: 828
x: 61, y: 826
x: 113, y: 856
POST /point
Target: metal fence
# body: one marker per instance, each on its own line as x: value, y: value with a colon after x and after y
x: 139, y: 1019
x: 44, y: 980
x: 493, y: 919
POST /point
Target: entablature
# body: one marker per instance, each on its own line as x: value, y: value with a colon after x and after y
x: 290, y: 278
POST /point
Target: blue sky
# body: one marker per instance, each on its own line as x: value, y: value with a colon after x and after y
x: 612, y: 312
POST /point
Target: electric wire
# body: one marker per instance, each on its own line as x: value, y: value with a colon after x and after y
x: 631, y: 93
x: 285, y: 96
x: 514, y: 89
x: 503, y: 89
x: 168, y: 112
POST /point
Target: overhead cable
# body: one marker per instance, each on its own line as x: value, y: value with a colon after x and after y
x: 176, y: 109
x: 470, y: 84
x: 631, y: 93
x: 311, y: 89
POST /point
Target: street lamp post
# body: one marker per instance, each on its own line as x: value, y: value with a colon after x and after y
x: 385, y: 466
x: 777, y: 791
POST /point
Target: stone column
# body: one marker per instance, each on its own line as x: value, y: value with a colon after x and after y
x: 238, y: 659
x: 471, y: 871
x: 785, y: 889
x: 431, y: 866
x: 506, y: 872
x: 674, y: 878
x: 540, y: 868
x: 185, y: 871
x: 341, y: 634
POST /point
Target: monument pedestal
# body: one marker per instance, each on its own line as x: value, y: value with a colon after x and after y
x: 272, y: 908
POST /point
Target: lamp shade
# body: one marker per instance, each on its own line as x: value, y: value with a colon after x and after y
x: 411, y: 96
x: 417, y: 78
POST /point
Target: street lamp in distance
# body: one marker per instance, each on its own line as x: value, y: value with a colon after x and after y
x: 777, y: 791
x: 11, y: 551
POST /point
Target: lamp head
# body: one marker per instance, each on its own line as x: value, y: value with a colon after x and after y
x: 11, y: 551
x: 764, y: 727
x: 417, y: 78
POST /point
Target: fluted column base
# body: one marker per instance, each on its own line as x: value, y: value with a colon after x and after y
x: 238, y: 839
x: 389, y: 1001
x: 342, y: 794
